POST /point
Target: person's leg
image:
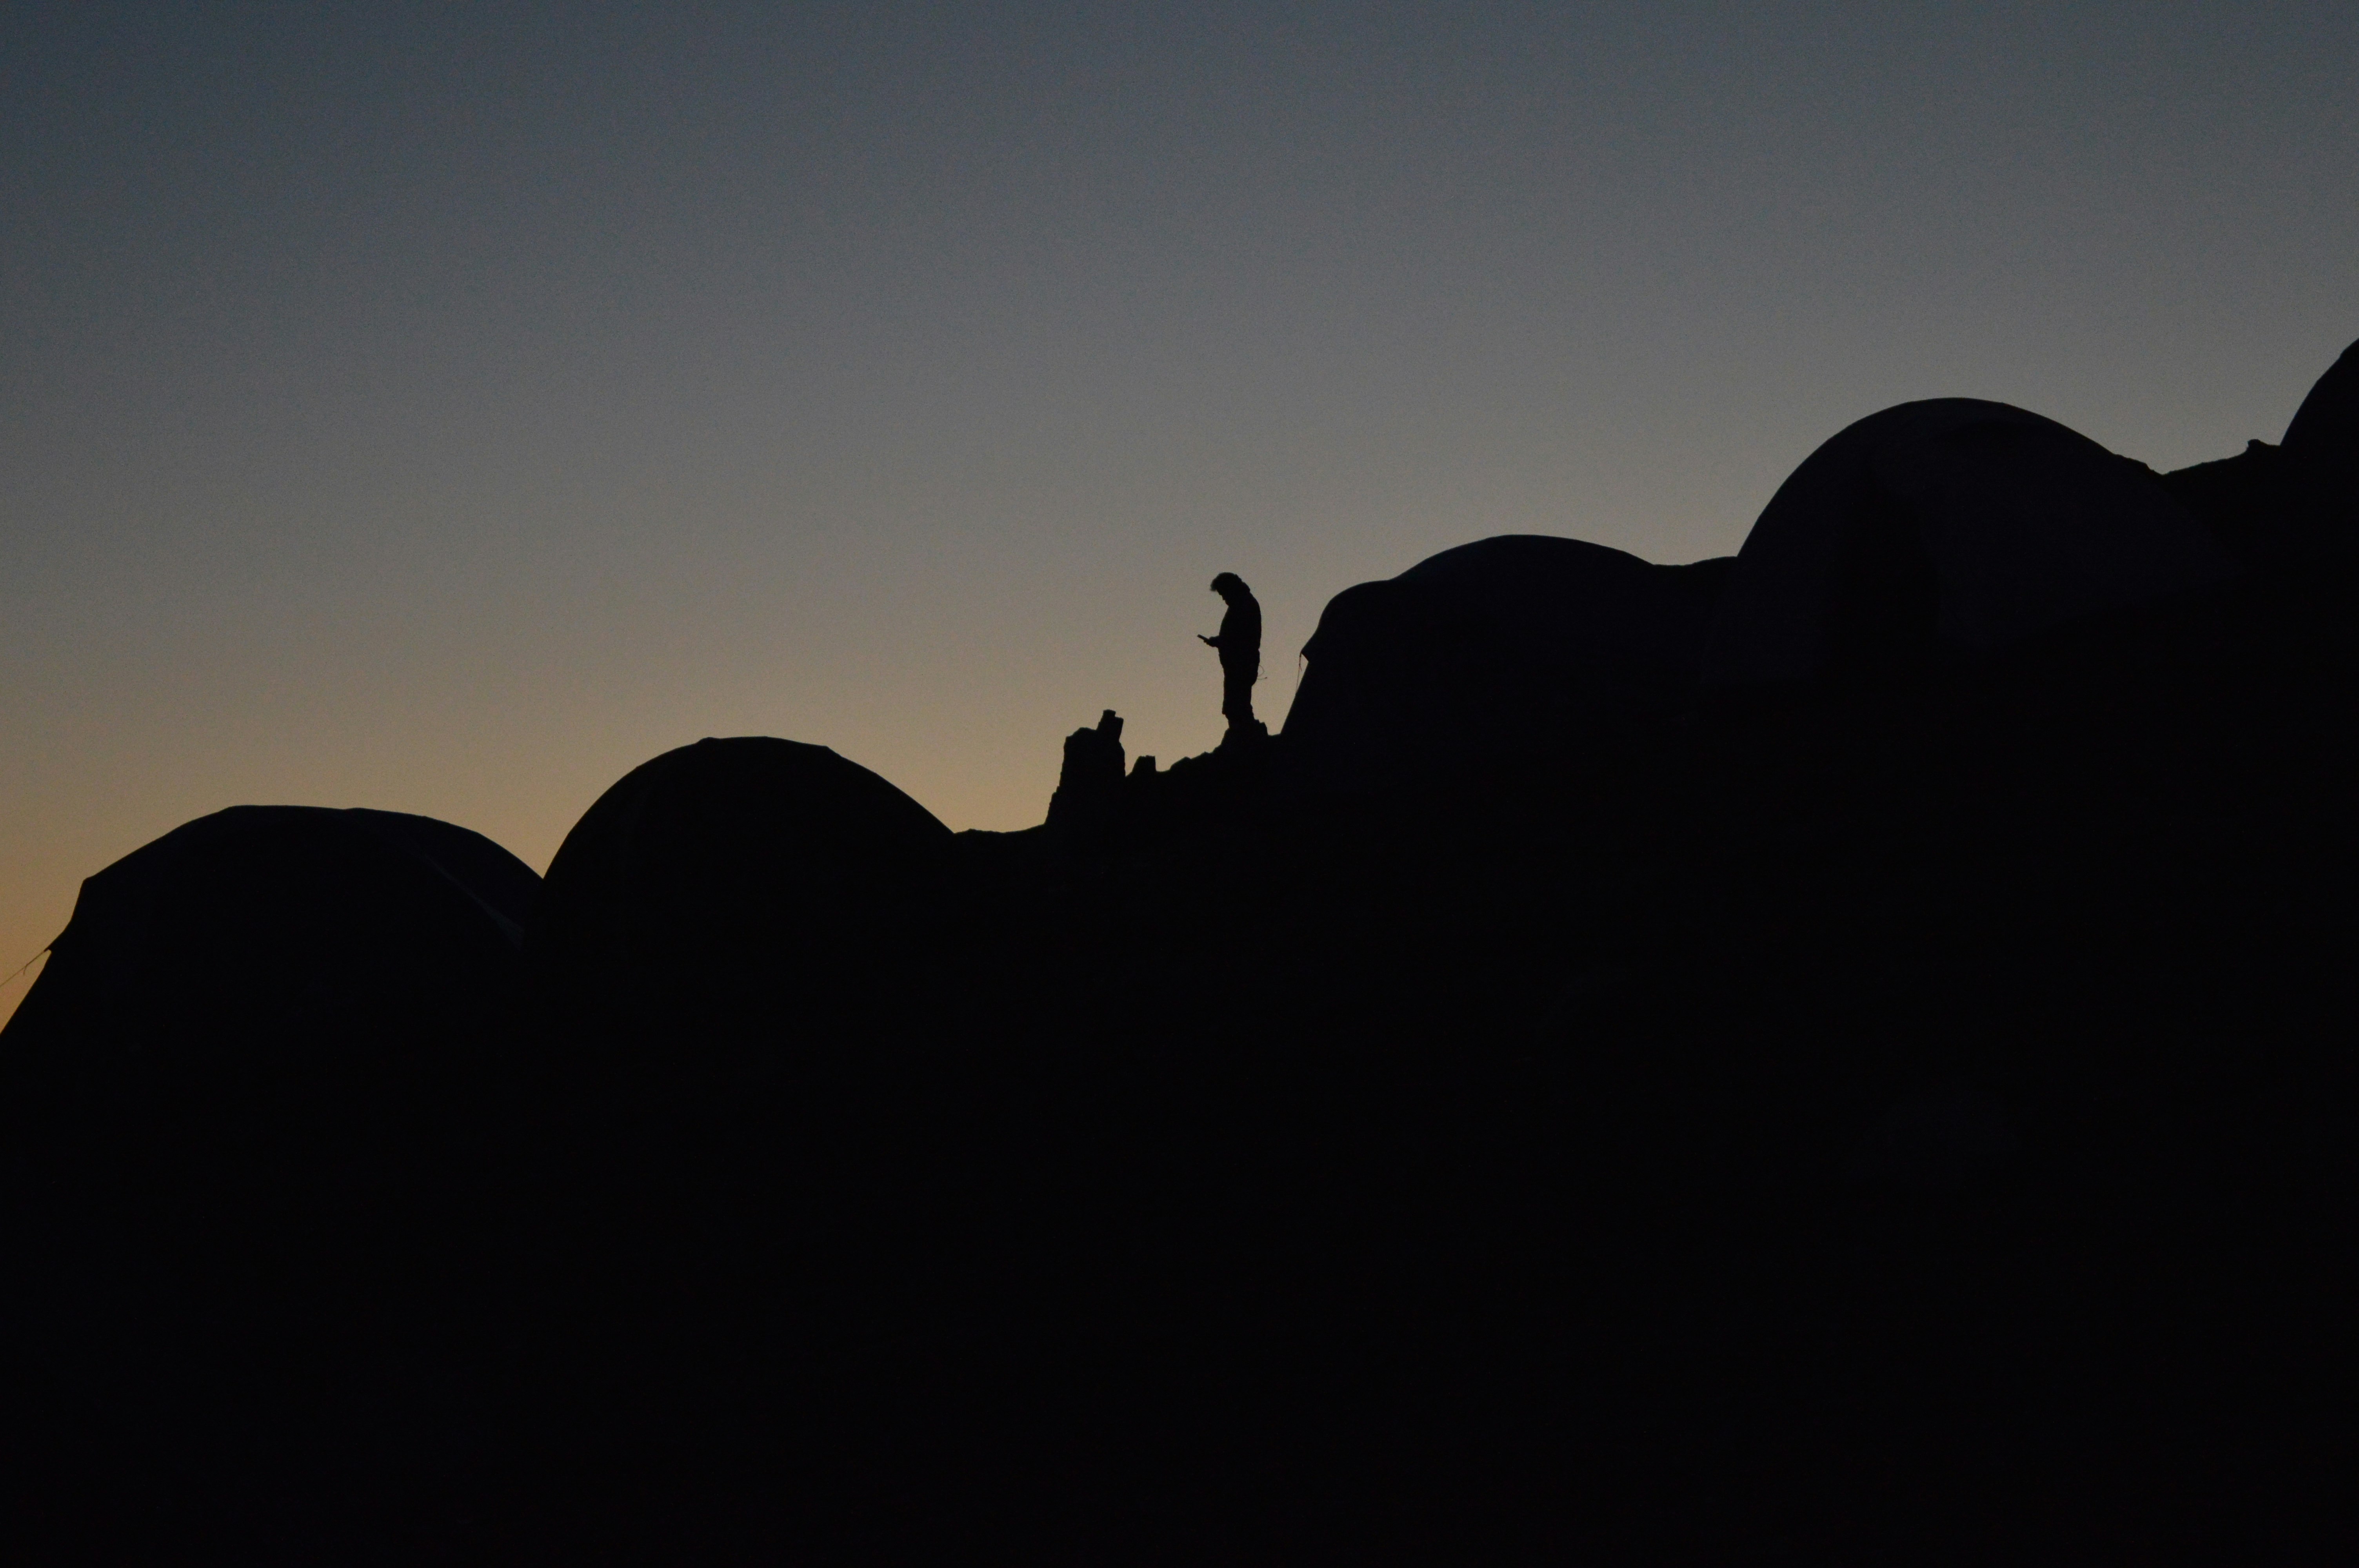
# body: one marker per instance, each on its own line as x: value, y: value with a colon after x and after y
x: 1236, y: 698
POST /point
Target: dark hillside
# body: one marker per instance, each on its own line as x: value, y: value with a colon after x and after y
x: 1903, y: 1110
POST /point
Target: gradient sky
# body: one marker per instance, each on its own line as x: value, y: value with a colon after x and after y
x: 446, y: 408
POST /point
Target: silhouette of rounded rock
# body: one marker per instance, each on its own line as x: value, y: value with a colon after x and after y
x: 742, y: 878
x: 274, y: 961
x: 1938, y: 533
x: 1506, y: 646
x: 246, y: 1119
x: 2325, y: 428
x: 269, y: 1010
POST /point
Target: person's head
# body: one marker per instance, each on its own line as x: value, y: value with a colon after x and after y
x: 1230, y: 586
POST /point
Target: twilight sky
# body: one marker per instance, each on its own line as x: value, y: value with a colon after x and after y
x: 445, y: 409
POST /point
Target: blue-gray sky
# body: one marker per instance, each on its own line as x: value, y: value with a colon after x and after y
x: 444, y: 408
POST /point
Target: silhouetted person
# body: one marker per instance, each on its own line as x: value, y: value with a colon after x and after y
x: 1239, y: 645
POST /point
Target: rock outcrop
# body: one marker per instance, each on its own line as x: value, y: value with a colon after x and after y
x: 1937, y: 534
x: 1090, y: 784
x: 1517, y: 647
x: 739, y: 879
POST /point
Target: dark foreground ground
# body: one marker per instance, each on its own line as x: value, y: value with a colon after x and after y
x: 1910, y: 1127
